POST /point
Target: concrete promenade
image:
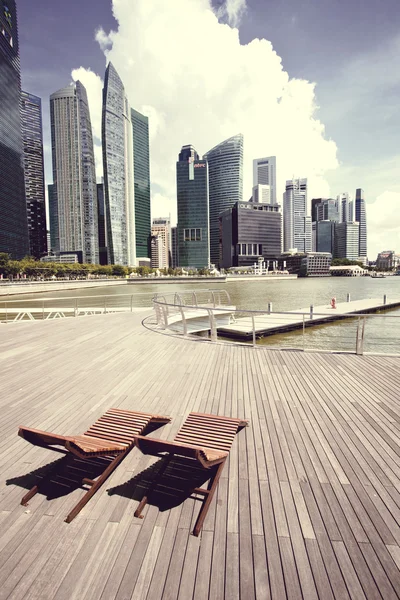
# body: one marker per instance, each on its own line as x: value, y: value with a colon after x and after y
x: 307, y: 508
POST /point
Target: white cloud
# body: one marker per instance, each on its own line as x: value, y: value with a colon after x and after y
x: 232, y: 11
x: 189, y: 73
x: 161, y: 206
x: 384, y: 224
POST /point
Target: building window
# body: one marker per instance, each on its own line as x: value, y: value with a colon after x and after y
x: 260, y: 249
x: 198, y: 235
x: 187, y: 235
x: 193, y: 235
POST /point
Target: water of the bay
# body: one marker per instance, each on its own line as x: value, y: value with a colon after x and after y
x: 382, y: 332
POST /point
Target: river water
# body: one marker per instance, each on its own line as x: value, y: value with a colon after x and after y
x: 382, y: 332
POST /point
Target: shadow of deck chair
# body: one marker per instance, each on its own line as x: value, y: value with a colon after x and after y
x: 111, y: 437
x: 207, y: 439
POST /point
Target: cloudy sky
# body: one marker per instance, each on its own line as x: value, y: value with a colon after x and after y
x: 315, y: 82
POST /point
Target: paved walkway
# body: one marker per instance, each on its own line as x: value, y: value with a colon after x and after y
x: 308, y: 506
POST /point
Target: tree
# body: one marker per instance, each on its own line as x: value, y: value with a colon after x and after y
x: 119, y: 271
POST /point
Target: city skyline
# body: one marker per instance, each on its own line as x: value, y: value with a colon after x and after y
x: 214, y: 120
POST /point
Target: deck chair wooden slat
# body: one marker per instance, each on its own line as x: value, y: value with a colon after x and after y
x: 112, y: 436
x: 206, y: 439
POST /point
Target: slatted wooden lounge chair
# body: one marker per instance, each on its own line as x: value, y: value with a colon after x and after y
x: 207, y: 439
x: 111, y: 437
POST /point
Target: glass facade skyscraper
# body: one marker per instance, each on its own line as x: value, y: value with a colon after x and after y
x: 53, y: 216
x: 101, y: 224
x: 297, y: 231
x: 225, y: 167
x: 13, y: 214
x: 361, y: 217
x: 118, y: 166
x: 74, y: 173
x: 193, y: 213
x: 141, y: 178
x: 32, y: 137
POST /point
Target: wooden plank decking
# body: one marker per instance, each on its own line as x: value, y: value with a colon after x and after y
x: 307, y: 507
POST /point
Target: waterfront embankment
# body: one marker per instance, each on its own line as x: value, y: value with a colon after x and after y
x: 35, y: 287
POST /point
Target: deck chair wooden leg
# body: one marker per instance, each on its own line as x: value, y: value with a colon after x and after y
x: 95, y: 485
x: 209, y: 493
x: 34, y: 490
x: 144, y: 500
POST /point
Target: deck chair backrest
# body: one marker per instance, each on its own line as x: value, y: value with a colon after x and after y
x: 209, y: 431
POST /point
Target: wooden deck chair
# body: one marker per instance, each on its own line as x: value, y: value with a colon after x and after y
x: 205, y: 438
x: 112, y: 437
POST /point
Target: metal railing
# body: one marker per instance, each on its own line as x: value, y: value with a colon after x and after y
x: 307, y: 331
x: 33, y: 309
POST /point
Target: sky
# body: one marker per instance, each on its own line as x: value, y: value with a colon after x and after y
x: 314, y: 82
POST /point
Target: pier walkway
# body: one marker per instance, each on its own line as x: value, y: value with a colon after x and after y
x: 308, y: 506
x: 269, y: 324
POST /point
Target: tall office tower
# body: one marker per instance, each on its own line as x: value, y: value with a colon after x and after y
x: 74, y: 173
x: 117, y: 140
x: 193, y: 209
x: 361, y: 217
x: 297, y: 231
x: 101, y: 224
x: 159, y: 252
x: 162, y: 226
x: 13, y: 215
x: 141, y: 178
x: 174, y: 247
x: 225, y: 168
x: 345, y: 207
x: 53, y: 217
x: 324, y: 231
x: 347, y: 240
x: 32, y: 137
x: 324, y: 209
x: 264, y: 180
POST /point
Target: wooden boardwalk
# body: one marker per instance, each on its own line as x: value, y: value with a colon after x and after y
x: 308, y: 506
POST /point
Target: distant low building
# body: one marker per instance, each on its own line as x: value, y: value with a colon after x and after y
x: 63, y: 257
x: 249, y: 230
x: 316, y: 264
x: 348, y: 271
x: 387, y: 260
x: 291, y: 261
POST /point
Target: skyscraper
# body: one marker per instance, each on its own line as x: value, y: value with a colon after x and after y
x: 101, y: 224
x: 162, y: 226
x: 361, y: 217
x: 324, y: 209
x: 296, y: 224
x: 193, y: 209
x: 32, y: 137
x: 13, y: 215
x: 118, y: 165
x: 53, y: 217
x: 347, y: 240
x: 74, y: 173
x: 345, y: 207
x: 225, y: 168
x: 264, y: 180
x: 141, y: 178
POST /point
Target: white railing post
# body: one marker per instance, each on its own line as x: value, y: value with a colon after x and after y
x: 311, y: 311
x: 384, y: 299
x: 269, y: 308
x: 213, y: 329
x: 254, y: 330
x: 184, y: 323
x: 360, y: 335
x: 76, y: 308
x: 213, y: 298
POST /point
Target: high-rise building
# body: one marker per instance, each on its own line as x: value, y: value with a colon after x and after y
x: 225, y: 168
x: 361, y: 217
x: 297, y: 232
x: 13, y: 214
x: 174, y: 247
x: 53, y: 217
x: 101, y: 224
x: 32, y: 137
x: 324, y: 236
x: 345, y: 207
x: 193, y: 211
x: 159, y: 252
x: 324, y: 209
x: 162, y: 226
x: 347, y: 240
x: 117, y: 140
x: 264, y: 180
x: 141, y: 178
x: 74, y: 173
x: 249, y: 231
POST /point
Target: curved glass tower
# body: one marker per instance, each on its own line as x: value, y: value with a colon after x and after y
x: 13, y: 215
x: 225, y: 173
x: 118, y: 171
